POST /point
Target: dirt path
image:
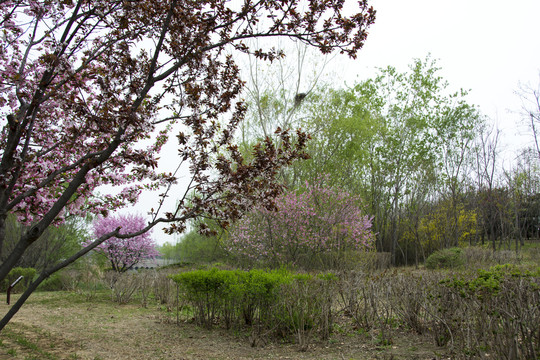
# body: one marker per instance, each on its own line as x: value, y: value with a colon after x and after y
x: 68, y: 326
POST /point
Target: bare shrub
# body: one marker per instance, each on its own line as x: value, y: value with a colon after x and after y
x: 356, y: 298
x: 90, y: 281
x: 505, y: 257
x: 476, y: 257
x: 347, y: 288
x: 533, y: 253
x: 164, y: 288
x: 367, y: 299
x: 474, y: 314
x: 71, y: 278
x: 445, y: 316
x: 514, y: 319
x: 351, y: 260
x: 385, y: 290
x: 373, y: 261
x: 125, y: 286
x: 146, y: 284
x: 496, y: 312
x: 307, y: 307
x: 410, y: 294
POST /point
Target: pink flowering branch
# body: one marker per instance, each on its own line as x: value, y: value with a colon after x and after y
x: 318, y: 220
x: 84, y: 83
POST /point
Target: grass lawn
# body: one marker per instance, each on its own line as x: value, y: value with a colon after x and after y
x: 68, y: 325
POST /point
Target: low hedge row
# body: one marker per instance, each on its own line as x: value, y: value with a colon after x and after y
x: 280, y: 302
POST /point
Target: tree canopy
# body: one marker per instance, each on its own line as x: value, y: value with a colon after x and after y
x: 84, y: 82
x: 123, y: 254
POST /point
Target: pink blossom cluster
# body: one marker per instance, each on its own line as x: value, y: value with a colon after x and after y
x: 316, y: 220
x: 67, y: 130
x: 124, y: 253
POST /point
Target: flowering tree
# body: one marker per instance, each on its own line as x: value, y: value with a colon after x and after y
x: 319, y: 224
x: 84, y: 82
x: 124, y: 253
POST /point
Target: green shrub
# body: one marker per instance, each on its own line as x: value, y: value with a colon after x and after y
x: 497, y: 310
x: 279, y: 301
x: 259, y: 292
x: 446, y: 258
x: 28, y: 275
x: 489, y: 282
x: 52, y: 283
x: 229, y: 293
x: 206, y: 290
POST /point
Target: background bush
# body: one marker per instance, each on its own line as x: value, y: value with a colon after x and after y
x: 445, y: 259
x: 52, y: 283
x: 316, y: 228
x: 14, y: 274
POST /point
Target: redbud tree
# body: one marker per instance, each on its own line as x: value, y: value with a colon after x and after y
x: 90, y: 91
x: 314, y: 227
x: 124, y: 253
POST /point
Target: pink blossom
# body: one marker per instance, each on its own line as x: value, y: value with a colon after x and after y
x: 124, y: 253
x: 316, y: 220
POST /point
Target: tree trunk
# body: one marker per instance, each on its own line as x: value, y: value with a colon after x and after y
x: 15, y: 308
x: 3, y: 218
x: 15, y: 255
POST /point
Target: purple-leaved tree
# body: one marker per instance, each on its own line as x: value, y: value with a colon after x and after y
x: 315, y: 227
x: 124, y: 253
x: 90, y: 90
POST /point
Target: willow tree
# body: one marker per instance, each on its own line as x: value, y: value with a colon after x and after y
x: 394, y: 139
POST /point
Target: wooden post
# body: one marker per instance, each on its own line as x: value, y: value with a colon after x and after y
x: 12, y: 286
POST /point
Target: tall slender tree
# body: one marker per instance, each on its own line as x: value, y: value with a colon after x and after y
x: 530, y: 97
x: 393, y: 139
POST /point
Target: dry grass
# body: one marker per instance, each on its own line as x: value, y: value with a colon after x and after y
x: 64, y: 325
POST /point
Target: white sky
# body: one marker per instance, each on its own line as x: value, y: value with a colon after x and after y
x: 487, y: 46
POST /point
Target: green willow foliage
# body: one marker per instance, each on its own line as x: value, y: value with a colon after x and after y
x: 399, y: 140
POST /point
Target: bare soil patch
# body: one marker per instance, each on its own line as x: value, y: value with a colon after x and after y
x: 64, y: 325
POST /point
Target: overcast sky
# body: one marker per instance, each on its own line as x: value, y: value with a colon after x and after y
x: 489, y: 47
